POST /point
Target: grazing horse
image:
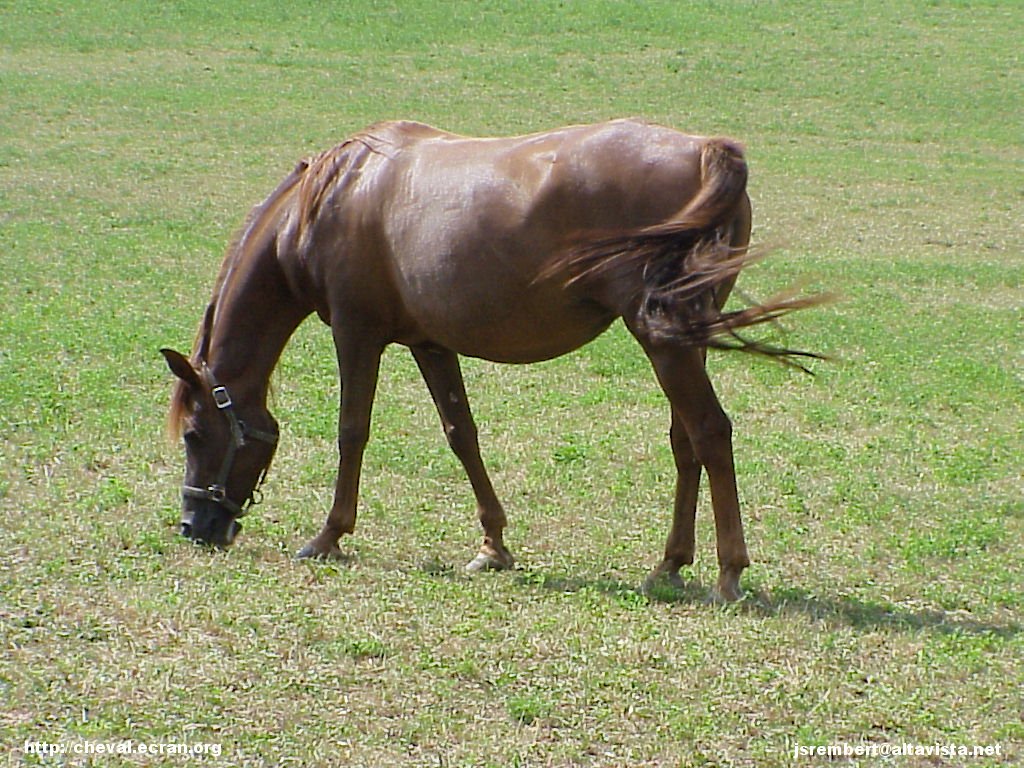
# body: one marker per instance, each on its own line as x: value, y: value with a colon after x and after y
x: 509, y: 249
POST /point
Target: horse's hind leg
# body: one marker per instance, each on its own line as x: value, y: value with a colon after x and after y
x: 682, y: 375
x: 358, y: 365
x: 679, y: 548
x: 440, y: 369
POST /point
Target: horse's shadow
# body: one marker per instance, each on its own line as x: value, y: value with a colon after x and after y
x: 842, y: 610
x: 865, y: 614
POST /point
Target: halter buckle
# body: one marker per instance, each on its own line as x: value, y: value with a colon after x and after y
x: 221, y: 397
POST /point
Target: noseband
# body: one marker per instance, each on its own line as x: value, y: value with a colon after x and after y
x: 217, y: 492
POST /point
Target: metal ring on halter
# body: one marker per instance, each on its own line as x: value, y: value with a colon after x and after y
x: 218, y: 495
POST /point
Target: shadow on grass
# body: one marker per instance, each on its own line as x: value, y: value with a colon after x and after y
x: 839, y: 610
x: 864, y: 614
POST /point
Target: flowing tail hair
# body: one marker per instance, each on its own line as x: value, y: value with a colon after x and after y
x: 686, y: 267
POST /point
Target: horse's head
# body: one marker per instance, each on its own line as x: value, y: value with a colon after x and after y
x: 228, y: 448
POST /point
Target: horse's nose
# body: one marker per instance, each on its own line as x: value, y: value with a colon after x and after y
x: 187, y: 516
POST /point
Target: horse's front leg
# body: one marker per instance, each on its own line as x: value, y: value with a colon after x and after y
x: 358, y: 365
x: 684, y: 379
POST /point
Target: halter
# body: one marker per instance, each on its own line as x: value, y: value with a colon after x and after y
x: 217, y: 492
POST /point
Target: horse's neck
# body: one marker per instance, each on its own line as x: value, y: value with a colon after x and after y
x: 255, y: 315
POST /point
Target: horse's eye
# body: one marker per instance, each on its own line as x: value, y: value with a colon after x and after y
x: 191, y: 437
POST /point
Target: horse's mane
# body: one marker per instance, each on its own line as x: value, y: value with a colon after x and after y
x: 237, y: 251
x: 313, y: 180
x: 340, y: 166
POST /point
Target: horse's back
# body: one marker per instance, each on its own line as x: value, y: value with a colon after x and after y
x: 466, y: 225
x: 617, y: 173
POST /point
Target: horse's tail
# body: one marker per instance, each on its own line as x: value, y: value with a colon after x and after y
x: 723, y: 175
x: 684, y: 263
x: 723, y: 180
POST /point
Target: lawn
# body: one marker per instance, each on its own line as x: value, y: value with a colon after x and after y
x: 883, y: 497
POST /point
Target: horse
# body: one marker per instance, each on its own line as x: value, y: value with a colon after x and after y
x: 515, y: 250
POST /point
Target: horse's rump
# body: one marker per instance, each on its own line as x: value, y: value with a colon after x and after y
x: 685, y: 264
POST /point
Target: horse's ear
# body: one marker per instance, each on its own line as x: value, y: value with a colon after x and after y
x: 181, y: 367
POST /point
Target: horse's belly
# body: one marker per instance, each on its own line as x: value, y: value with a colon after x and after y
x: 514, y: 346
x: 510, y: 328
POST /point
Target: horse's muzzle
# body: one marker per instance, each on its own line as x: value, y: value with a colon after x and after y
x: 212, y: 527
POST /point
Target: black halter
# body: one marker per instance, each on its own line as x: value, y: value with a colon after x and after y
x: 217, y: 491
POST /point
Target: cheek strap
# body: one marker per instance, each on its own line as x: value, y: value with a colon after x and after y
x: 217, y: 491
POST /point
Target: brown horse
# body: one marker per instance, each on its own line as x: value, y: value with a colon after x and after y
x: 513, y: 250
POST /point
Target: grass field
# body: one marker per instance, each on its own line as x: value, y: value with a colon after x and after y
x: 883, y: 498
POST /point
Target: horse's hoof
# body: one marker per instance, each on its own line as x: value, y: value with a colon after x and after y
x: 658, y: 577
x: 728, y: 588
x: 486, y: 561
x: 314, y: 551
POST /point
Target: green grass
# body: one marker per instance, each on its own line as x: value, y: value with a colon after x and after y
x: 882, y: 498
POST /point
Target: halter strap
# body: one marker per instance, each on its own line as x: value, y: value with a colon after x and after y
x: 217, y: 491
